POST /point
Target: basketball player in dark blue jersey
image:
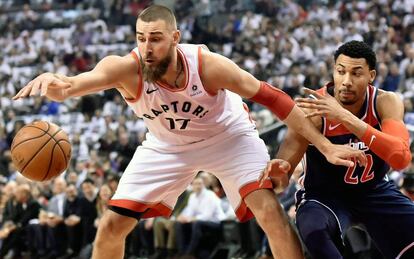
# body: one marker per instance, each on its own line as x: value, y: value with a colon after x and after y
x: 351, y: 111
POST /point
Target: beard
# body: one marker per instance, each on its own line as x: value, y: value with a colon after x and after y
x: 154, y: 73
x: 348, y: 102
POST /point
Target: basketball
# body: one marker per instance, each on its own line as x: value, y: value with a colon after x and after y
x: 41, y: 151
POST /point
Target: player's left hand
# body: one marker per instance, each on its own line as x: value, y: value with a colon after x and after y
x: 277, y: 170
x: 324, y: 105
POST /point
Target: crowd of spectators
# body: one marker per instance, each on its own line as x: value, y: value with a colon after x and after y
x: 288, y: 43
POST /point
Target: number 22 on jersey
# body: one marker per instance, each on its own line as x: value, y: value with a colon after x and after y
x: 366, y: 176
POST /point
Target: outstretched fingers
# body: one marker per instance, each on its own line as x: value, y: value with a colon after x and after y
x: 17, y: 96
x: 349, y: 157
x: 35, y: 88
x: 315, y: 113
x: 40, y: 86
x: 26, y: 91
x: 344, y: 162
x: 314, y: 93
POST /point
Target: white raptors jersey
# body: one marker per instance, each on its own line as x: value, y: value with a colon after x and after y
x: 177, y: 117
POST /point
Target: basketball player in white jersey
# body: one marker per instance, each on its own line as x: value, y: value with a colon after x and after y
x: 190, y: 101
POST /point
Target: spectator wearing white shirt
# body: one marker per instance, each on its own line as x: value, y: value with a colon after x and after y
x: 200, y: 217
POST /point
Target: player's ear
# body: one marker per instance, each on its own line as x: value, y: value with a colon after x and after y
x: 372, y: 74
x: 176, y: 37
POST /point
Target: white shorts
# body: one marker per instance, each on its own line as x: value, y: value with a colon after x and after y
x: 154, y: 179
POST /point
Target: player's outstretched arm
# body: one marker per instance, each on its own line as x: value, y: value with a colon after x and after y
x: 391, y: 143
x: 107, y: 74
x: 220, y: 72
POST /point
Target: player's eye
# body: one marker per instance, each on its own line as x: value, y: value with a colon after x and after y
x: 341, y: 72
x: 141, y: 39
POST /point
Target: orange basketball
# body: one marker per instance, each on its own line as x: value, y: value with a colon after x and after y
x: 41, y: 151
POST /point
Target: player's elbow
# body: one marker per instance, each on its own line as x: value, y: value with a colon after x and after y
x: 400, y: 159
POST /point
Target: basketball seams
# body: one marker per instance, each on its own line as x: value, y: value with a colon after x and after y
x: 63, y: 154
x: 57, y: 142
x: 24, y: 141
x: 40, y: 149
x: 40, y: 134
x: 63, y: 151
x: 52, y: 136
x: 32, y: 126
x: 50, y: 163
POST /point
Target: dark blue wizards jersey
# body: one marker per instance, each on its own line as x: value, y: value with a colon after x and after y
x: 323, y: 177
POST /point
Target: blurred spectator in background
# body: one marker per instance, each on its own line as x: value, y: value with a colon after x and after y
x: 201, y: 217
x: 72, y: 218
x: 164, y: 230
x: 104, y: 195
x: 49, y: 235
x: 88, y: 211
x: 17, y: 215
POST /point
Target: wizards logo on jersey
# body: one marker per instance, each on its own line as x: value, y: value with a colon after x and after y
x: 358, y: 145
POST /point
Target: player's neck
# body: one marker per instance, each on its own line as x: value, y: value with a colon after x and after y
x: 175, y: 76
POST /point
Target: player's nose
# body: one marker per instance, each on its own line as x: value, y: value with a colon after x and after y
x: 148, y: 48
x: 347, y: 80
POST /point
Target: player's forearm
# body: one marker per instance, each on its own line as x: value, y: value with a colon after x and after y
x: 391, y: 144
x: 292, y: 149
x: 83, y: 84
x: 78, y: 87
x: 353, y: 124
x: 274, y: 99
x: 296, y: 121
x: 285, y: 109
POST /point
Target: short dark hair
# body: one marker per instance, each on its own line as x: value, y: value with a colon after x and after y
x: 88, y: 180
x: 357, y: 49
x: 158, y: 12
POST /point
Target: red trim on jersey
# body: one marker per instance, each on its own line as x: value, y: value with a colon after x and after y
x: 243, y: 213
x: 200, y: 64
x: 152, y: 209
x: 140, y: 85
x: 246, y: 108
x: 274, y: 99
x: 333, y: 128
x: 186, y: 74
x: 200, y: 71
x: 373, y: 106
x: 369, y: 116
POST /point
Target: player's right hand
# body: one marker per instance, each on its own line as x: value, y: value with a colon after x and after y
x: 46, y: 84
x: 345, y: 155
